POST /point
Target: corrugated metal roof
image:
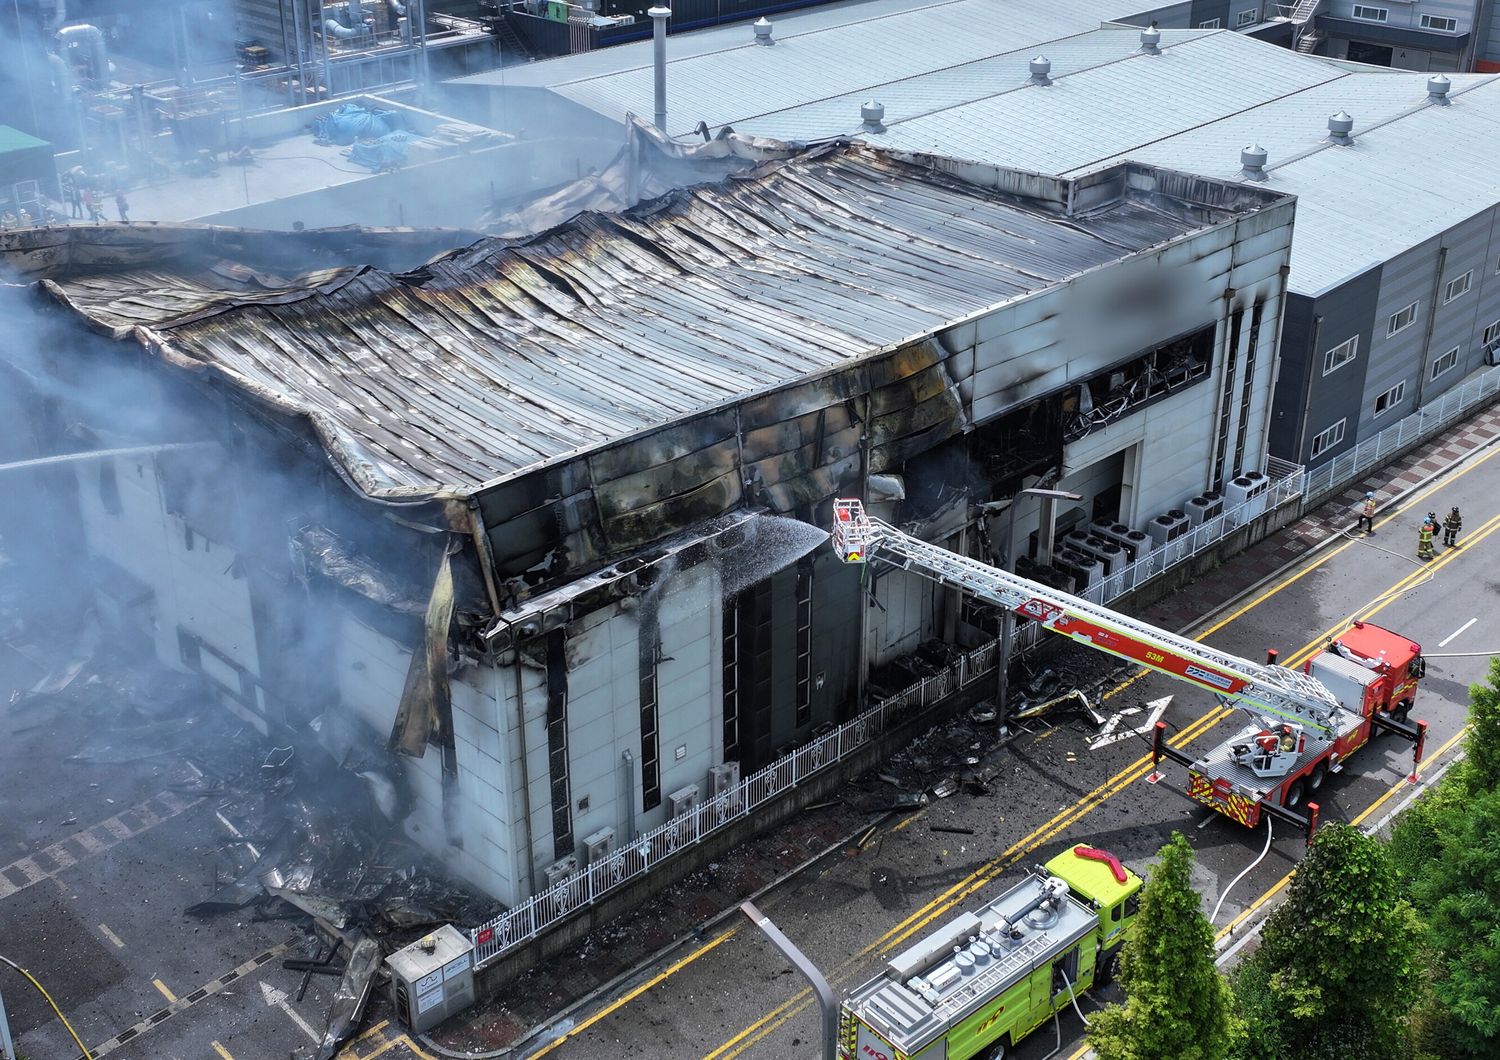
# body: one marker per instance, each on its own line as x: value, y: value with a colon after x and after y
x: 1359, y: 206
x: 724, y: 86
x: 1095, y: 113
x: 928, y: 93
x: 500, y: 356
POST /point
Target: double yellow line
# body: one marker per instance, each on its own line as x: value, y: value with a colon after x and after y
x: 1071, y: 815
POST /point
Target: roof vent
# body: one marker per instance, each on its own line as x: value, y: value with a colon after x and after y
x: 1151, y: 41
x: 762, y: 27
x: 1437, y: 90
x: 1041, y: 68
x: 1340, y: 126
x: 873, y: 115
x: 1253, y: 163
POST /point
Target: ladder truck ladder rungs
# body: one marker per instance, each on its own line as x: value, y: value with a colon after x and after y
x: 1264, y: 689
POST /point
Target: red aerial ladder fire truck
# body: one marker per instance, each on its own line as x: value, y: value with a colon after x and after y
x: 1307, y: 721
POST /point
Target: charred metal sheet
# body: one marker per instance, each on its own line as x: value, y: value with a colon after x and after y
x: 425, y: 700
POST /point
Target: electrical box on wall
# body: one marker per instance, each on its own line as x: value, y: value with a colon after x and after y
x: 432, y: 978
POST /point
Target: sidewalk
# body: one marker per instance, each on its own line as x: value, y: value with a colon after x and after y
x: 687, y: 910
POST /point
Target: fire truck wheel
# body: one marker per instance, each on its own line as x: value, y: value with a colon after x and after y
x: 1403, y: 709
x: 1109, y: 964
x: 1293, y: 797
x: 1319, y: 774
x: 999, y: 1050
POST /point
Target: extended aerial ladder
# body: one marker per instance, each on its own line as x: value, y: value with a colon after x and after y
x: 1304, y: 729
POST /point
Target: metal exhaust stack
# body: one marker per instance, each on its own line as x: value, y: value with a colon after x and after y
x: 1437, y: 90
x: 1253, y: 163
x: 1341, y: 128
x: 1151, y: 40
x: 1041, y: 70
x: 659, y: 16
x: 762, y: 29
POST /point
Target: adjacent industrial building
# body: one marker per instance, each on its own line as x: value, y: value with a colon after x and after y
x: 541, y: 514
x: 1395, y: 294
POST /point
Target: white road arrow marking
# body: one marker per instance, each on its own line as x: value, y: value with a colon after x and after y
x: 1113, y: 732
x: 278, y: 999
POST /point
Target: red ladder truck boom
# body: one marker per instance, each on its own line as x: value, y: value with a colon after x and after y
x: 1304, y: 726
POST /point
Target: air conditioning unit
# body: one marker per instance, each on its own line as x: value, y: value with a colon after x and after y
x: 1134, y: 542
x: 1246, y: 496
x: 1107, y: 552
x: 1074, y: 539
x: 560, y: 870
x: 1085, y: 570
x: 599, y: 846
x: 723, y: 777
x: 683, y: 800
x: 1204, y: 508
x: 1170, y: 529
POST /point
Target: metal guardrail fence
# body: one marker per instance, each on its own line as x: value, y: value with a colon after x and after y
x: 536, y: 914
x: 1372, y: 452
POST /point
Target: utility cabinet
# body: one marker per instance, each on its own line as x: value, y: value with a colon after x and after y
x: 432, y: 978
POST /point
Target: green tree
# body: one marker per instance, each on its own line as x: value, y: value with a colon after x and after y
x: 1339, y: 961
x: 1482, y: 768
x: 1460, y: 894
x: 1177, y: 1005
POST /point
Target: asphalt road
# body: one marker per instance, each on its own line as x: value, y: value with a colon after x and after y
x: 733, y: 996
x: 97, y: 863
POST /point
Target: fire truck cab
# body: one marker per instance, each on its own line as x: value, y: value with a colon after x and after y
x: 988, y: 978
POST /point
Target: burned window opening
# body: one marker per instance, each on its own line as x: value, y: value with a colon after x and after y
x: 1131, y: 386
x: 804, y: 641
x: 557, y: 743
x: 109, y: 487
x: 650, y: 656
x: 1226, y: 397
x: 1247, y: 391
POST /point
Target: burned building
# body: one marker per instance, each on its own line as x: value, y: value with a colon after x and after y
x: 540, y: 514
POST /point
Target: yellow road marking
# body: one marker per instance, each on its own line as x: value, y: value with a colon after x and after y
x: 636, y: 992
x: 421, y: 1054
x: 768, y: 1023
x: 382, y: 1025
x: 223, y: 1052
x: 103, y: 930
x: 164, y: 991
x: 908, y: 820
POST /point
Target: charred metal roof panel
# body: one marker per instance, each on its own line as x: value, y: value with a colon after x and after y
x: 506, y: 354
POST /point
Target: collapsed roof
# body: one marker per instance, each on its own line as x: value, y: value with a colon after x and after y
x: 514, y: 353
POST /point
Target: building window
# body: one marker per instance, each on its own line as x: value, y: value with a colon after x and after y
x: 650, y: 655
x: 1491, y: 334
x: 1457, y: 286
x: 1370, y: 14
x: 804, y: 640
x: 1437, y: 22
x: 1340, y: 355
x: 1326, y: 440
x: 1212, y: 23
x: 1445, y: 362
x: 1390, y: 399
x: 1402, y: 319
x: 1247, y: 17
x: 109, y: 487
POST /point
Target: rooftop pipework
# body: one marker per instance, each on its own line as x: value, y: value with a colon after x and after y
x: 659, y: 16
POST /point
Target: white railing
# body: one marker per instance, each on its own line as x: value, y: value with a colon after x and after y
x: 1373, y: 452
x: 535, y: 915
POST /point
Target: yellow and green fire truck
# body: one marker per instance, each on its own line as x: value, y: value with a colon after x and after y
x: 988, y: 978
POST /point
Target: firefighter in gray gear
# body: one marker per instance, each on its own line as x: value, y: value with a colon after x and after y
x: 1452, y: 524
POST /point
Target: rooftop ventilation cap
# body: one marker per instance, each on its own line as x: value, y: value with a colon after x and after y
x: 762, y: 27
x: 1041, y: 68
x: 1340, y: 126
x: 1151, y: 40
x: 1437, y: 89
x: 1253, y: 162
x: 873, y: 115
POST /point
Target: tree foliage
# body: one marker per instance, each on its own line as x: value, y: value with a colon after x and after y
x: 1481, y: 770
x: 1177, y: 1005
x: 1460, y: 897
x: 1338, y: 963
